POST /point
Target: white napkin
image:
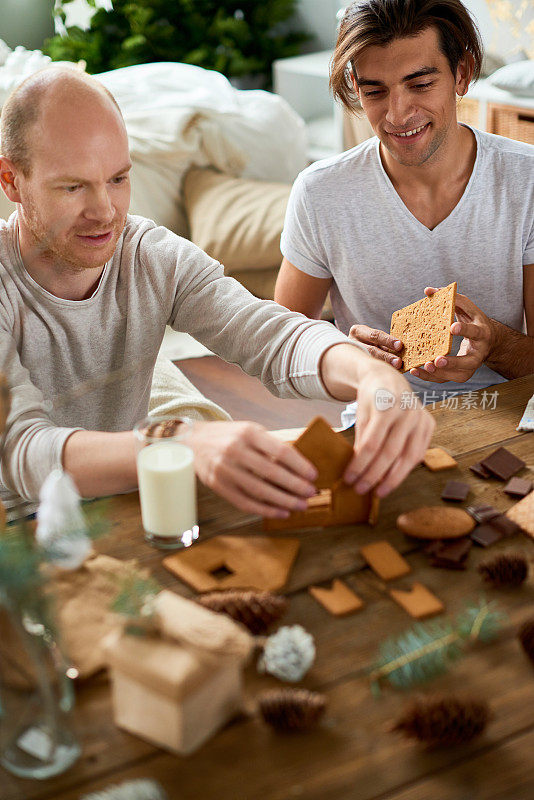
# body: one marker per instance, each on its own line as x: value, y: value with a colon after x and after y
x: 527, y: 420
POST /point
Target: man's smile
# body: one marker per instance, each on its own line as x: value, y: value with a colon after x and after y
x: 412, y: 134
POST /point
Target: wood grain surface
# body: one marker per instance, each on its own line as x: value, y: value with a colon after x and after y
x: 351, y: 755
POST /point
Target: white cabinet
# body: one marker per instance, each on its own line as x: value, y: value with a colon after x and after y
x: 303, y: 82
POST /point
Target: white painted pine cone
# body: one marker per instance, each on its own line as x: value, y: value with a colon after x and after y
x: 288, y: 654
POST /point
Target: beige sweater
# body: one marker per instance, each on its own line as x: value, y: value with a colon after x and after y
x: 88, y: 364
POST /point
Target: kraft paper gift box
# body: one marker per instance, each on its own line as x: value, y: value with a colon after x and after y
x: 176, y: 685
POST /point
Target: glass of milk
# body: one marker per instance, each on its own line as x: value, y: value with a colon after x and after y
x: 167, y: 485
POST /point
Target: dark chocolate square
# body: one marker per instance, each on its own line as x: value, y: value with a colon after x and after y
x: 449, y: 555
x: 479, y: 470
x: 518, y: 487
x: 455, y: 491
x: 484, y: 535
x: 502, y: 464
x: 483, y: 513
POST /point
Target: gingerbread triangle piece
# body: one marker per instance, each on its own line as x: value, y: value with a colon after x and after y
x: 235, y: 562
x: 338, y: 600
x: 523, y: 513
x: 327, y: 450
x: 419, y: 602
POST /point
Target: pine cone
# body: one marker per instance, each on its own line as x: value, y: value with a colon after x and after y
x: 444, y: 721
x: 505, y: 570
x: 257, y: 611
x: 291, y: 709
x: 288, y: 654
x: 526, y: 637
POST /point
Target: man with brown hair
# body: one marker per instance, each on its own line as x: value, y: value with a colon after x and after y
x: 426, y: 202
x: 86, y: 293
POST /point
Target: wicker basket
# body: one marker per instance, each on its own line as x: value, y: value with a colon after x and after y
x: 468, y: 111
x: 513, y: 122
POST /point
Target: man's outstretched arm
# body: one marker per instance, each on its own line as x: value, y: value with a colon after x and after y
x: 257, y: 472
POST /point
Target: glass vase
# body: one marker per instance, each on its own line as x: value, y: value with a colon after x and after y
x: 36, y: 697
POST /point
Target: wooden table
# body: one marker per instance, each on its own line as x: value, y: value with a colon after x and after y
x: 351, y: 756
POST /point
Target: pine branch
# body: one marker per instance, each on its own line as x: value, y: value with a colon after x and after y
x: 135, y: 600
x: 22, y: 582
x: 426, y: 651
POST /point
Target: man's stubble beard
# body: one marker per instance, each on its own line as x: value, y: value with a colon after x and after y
x: 45, y: 248
x: 433, y: 146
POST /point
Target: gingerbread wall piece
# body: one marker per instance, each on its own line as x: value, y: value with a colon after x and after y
x: 419, y: 602
x: 336, y: 503
x: 385, y: 560
x: 338, y: 600
x: 237, y: 562
x: 327, y: 450
x: 424, y: 327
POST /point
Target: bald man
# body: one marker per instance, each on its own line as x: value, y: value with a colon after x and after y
x: 87, y: 291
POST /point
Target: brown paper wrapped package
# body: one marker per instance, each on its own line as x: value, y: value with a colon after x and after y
x: 178, y: 687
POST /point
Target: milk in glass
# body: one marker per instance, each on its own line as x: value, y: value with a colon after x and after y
x: 167, y: 491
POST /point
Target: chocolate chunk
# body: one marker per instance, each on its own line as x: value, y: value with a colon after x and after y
x: 449, y: 555
x: 505, y: 525
x: 455, y: 490
x: 518, y: 487
x: 483, y: 513
x: 485, y: 535
x: 502, y: 464
x: 479, y: 470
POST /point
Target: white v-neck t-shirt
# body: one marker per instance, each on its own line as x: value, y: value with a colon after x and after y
x: 346, y: 221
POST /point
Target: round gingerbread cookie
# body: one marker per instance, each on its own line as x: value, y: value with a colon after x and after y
x: 436, y: 522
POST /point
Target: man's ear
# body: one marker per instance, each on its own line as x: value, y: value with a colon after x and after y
x: 8, y: 179
x: 464, y: 73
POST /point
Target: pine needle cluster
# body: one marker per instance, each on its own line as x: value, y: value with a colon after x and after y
x: 135, y: 600
x: 427, y: 650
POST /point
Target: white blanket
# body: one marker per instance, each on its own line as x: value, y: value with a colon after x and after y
x: 173, y: 395
x: 177, y: 116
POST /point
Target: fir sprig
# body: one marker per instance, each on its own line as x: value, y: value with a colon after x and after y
x: 426, y: 650
x: 135, y: 600
x: 22, y: 581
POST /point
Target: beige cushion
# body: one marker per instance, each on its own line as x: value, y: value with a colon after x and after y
x: 236, y: 221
